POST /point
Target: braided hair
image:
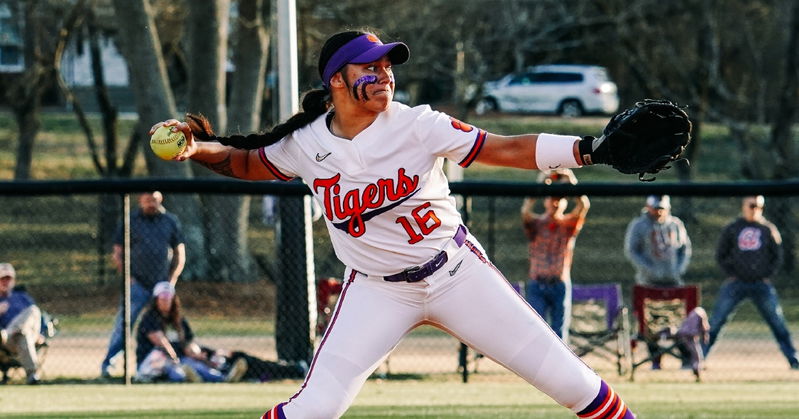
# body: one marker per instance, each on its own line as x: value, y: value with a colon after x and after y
x: 315, y: 103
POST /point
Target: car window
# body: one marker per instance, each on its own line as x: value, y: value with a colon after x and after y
x: 553, y: 77
x: 520, y: 79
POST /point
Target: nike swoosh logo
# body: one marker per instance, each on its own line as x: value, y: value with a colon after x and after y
x: 455, y: 269
x: 320, y: 157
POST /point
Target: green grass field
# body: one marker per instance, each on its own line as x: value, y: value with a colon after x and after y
x: 395, y: 399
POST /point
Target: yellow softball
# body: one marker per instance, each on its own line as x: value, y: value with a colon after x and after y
x: 167, y: 144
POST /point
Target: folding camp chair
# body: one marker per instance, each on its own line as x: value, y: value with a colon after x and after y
x: 9, y: 361
x: 659, y: 313
x: 600, y: 324
x: 327, y: 292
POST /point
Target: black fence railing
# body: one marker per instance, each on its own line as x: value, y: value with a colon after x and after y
x: 58, y: 235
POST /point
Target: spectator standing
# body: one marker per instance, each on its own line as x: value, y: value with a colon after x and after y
x: 749, y: 253
x: 165, y: 346
x: 20, y: 323
x: 659, y: 248
x: 657, y: 245
x: 157, y: 254
x: 552, y: 235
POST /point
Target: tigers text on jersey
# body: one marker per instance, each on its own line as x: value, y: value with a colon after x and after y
x: 385, y: 198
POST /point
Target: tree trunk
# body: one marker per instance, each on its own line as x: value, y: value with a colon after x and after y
x: 249, y: 58
x: 785, y: 114
x: 28, y: 124
x: 25, y: 96
x: 107, y: 110
x: 781, y: 137
x: 207, y: 29
x: 140, y: 45
x: 207, y: 51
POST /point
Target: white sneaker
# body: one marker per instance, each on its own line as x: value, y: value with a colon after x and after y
x: 33, y: 379
x: 237, y: 371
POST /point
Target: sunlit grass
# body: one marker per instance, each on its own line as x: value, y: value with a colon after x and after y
x: 445, y: 398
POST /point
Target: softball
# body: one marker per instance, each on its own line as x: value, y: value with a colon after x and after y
x: 167, y: 144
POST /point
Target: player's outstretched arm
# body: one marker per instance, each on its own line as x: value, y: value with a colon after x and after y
x: 644, y: 139
x: 530, y: 151
x: 225, y: 160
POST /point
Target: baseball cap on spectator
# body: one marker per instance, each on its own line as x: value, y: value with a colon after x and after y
x: 164, y: 288
x: 658, y: 202
x: 6, y: 269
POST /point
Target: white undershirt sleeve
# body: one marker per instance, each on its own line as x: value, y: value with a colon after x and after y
x: 555, y: 151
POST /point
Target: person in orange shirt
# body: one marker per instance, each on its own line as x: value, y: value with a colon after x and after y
x: 551, y: 236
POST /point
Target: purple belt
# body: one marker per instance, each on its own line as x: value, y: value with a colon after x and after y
x: 418, y: 273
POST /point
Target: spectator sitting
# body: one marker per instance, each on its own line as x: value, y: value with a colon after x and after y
x: 165, y: 347
x: 658, y: 246
x: 691, y: 336
x: 20, y: 323
x: 258, y: 370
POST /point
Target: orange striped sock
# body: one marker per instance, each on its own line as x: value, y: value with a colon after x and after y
x: 606, y: 405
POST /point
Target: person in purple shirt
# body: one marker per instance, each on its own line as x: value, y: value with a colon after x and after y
x: 20, y: 323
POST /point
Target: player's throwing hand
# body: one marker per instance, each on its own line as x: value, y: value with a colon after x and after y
x: 176, y: 125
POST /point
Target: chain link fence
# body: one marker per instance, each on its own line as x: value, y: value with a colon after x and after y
x: 233, y: 290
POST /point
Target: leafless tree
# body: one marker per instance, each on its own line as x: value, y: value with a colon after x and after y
x: 140, y: 44
x: 40, y: 23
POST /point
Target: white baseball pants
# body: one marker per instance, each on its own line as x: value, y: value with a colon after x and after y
x: 470, y: 299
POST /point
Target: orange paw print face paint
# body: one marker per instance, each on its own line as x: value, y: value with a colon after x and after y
x: 461, y: 126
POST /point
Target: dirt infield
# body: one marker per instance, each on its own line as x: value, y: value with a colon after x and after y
x: 431, y: 353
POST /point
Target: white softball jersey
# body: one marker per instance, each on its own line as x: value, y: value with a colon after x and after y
x: 388, y: 208
x: 385, y: 197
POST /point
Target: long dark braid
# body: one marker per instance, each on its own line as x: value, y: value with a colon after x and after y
x: 315, y: 103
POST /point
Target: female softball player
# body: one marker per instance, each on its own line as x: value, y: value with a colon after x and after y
x: 375, y: 167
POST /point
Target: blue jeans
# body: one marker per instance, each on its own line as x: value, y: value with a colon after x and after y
x: 175, y: 373
x: 552, y: 300
x: 139, y: 297
x: 764, y: 296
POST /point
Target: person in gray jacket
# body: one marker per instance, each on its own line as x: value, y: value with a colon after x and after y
x: 657, y: 245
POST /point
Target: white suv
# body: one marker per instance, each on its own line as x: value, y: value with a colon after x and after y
x: 568, y: 90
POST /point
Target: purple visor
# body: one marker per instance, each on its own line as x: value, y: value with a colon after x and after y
x: 364, y: 49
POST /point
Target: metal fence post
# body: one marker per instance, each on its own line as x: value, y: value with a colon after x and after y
x: 295, y: 321
x: 126, y: 321
x: 463, y: 353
